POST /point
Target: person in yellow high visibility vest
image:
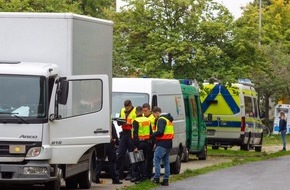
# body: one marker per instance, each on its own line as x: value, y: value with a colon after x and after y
x: 141, y: 136
x: 164, y: 134
x: 147, y: 113
x: 128, y: 114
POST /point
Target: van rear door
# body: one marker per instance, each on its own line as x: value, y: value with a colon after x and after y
x: 191, y: 122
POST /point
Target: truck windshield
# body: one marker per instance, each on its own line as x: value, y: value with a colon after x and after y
x: 118, y: 98
x: 22, y: 98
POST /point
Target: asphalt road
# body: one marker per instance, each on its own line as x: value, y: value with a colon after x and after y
x: 265, y: 175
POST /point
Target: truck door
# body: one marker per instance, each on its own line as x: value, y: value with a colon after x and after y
x: 83, y: 120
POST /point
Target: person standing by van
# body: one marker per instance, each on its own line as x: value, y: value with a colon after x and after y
x: 128, y: 114
x: 163, y: 135
x: 283, y: 129
x: 141, y: 135
x: 147, y: 113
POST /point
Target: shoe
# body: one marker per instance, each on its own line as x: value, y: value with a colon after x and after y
x: 128, y: 177
x: 164, y: 182
x: 117, y: 182
x: 135, y: 179
x: 156, y: 180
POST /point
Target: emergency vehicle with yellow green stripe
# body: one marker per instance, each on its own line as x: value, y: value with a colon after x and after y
x: 232, y: 115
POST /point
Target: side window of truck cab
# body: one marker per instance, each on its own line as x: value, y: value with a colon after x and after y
x: 85, y: 96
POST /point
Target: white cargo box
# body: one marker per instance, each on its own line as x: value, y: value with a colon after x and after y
x: 66, y: 39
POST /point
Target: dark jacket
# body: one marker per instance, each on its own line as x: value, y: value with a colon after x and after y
x: 161, y: 123
x: 282, y: 125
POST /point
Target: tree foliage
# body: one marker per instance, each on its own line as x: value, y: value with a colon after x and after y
x: 271, y: 42
x: 95, y: 8
x: 175, y: 39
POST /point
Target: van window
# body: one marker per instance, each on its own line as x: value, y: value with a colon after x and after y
x: 118, y: 98
x: 194, y: 106
x: 154, y: 101
x: 172, y: 104
x: 248, y: 106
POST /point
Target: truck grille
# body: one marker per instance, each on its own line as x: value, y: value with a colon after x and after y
x: 4, y: 148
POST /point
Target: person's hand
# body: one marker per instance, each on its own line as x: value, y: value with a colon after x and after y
x: 154, y: 147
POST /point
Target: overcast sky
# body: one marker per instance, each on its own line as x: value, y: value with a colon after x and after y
x: 232, y: 5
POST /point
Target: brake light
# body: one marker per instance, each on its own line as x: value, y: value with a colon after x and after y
x: 243, y: 124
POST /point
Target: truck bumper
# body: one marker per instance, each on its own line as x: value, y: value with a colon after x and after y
x: 30, y: 173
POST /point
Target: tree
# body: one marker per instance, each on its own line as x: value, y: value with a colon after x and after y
x: 182, y: 39
x: 38, y: 6
x: 271, y: 75
x: 95, y: 8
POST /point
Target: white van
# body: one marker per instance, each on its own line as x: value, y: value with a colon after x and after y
x: 164, y: 93
x: 234, y: 115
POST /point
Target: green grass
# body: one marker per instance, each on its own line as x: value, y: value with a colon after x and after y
x: 274, y: 140
x: 238, y: 157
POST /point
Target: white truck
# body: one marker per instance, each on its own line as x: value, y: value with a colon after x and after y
x: 55, y: 97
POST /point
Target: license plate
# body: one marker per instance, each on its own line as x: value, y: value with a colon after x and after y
x: 17, y: 149
x: 210, y: 132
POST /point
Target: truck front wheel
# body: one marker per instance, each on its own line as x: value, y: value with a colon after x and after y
x: 55, y: 185
x: 85, y: 178
x: 71, y: 183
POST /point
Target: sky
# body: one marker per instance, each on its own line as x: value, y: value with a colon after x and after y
x: 232, y: 5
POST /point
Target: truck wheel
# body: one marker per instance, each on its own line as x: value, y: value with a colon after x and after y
x: 71, y: 183
x: 55, y: 185
x: 203, y: 154
x: 85, y: 178
x: 176, y: 166
x: 185, y: 155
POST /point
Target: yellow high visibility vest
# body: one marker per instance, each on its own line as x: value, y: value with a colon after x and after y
x: 168, y: 131
x: 144, y: 128
x: 130, y: 118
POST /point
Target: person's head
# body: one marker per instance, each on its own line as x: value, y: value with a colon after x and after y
x: 282, y: 114
x: 128, y: 105
x: 146, y: 109
x: 139, y: 111
x: 156, y: 112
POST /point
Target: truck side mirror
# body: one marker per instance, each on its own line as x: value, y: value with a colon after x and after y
x: 62, y: 92
x: 209, y: 117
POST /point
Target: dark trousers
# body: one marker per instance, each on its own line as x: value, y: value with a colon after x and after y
x: 150, y: 158
x: 111, y: 154
x: 125, y: 144
x: 140, y: 168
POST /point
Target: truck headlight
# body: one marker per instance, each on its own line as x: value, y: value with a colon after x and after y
x: 33, y: 152
x: 35, y: 170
